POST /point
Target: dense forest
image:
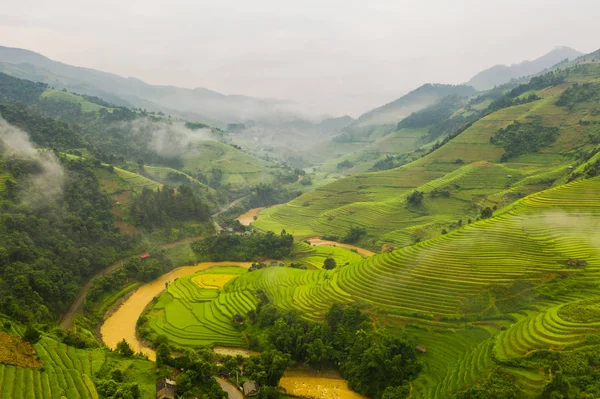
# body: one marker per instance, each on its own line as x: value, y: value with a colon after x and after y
x: 48, y: 248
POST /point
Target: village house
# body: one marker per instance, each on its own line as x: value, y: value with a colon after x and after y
x: 250, y: 389
x: 166, y: 389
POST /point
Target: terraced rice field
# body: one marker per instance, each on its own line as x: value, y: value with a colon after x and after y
x: 543, y: 330
x: 534, y: 237
x: 194, y: 311
x: 315, y: 255
x: 67, y: 372
x: 311, y: 292
x: 239, y: 168
x: 122, y: 323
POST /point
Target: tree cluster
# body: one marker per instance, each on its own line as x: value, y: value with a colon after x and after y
x: 375, y: 362
x: 245, y: 247
x: 164, y: 208
x: 521, y: 138
x: 47, y: 251
x: 579, y: 93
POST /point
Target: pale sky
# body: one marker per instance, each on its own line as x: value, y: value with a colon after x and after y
x: 334, y: 56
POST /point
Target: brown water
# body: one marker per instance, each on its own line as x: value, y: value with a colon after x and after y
x: 318, y: 242
x: 248, y: 217
x: 317, y: 385
x: 122, y: 323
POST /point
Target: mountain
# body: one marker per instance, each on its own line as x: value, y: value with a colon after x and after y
x: 519, y: 145
x: 422, y: 97
x: 500, y: 74
x: 194, y: 104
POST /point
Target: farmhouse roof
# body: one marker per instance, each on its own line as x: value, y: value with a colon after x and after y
x: 144, y: 256
x: 166, y: 389
x: 250, y: 388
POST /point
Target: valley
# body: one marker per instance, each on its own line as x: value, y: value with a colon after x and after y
x: 443, y: 245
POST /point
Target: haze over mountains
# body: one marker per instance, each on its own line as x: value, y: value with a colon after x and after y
x: 196, y: 104
x: 500, y: 74
x: 218, y: 109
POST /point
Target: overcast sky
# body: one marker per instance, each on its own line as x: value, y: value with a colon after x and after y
x: 335, y: 56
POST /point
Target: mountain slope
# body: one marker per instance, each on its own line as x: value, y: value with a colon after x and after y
x: 392, y: 113
x: 459, y: 179
x: 204, y: 104
x: 500, y: 74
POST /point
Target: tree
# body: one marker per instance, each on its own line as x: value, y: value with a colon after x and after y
x: 400, y: 392
x: 31, y: 335
x: 329, y: 264
x: 163, y: 354
x: 124, y: 349
x: 415, y: 198
x: 486, y: 213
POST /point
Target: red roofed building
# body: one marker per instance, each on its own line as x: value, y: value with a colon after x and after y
x: 144, y: 256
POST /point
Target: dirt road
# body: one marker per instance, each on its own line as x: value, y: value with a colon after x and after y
x: 67, y: 319
x: 228, y: 387
x: 317, y: 241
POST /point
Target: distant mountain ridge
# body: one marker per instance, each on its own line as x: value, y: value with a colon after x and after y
x: 500, y: 74
x: 390, y: 114
x: 199, y: 103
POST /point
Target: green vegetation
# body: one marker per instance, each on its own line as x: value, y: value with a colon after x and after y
x: 150, y: 209
x: 245, y: 247
x: 372, y: 361
x: 522, y: 138
x: 465, y: 164
x: 196, y: 310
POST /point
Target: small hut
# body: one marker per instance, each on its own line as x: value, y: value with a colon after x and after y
x: 144, y: 256
x: 421, y: 348
x: 166, y: 389
x: 250, y: 389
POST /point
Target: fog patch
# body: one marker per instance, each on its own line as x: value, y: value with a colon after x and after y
x: 46, y: 178
x: 168, y: 139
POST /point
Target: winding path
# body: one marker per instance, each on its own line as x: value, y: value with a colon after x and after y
x: 67, y: 320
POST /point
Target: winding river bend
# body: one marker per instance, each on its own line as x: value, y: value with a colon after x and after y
x: 122, y: 323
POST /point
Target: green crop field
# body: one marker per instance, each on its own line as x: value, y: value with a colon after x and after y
x: 190, y: 315
x: 58, y: 95
x: 161, y: 174
x: 468, y: 167
x: 239, y: 168
x: 69, y: 372
x: 316, y: 255
x: 431, y: 286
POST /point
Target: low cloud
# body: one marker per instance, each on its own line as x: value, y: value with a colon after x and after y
x: 166, y: 138
x: 45, y: 176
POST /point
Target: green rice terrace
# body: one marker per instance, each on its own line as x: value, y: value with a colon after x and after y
x: 67, y: 372
x: 519, y: 279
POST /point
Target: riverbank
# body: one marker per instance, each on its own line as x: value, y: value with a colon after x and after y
x: 121, y: 324
x: 248, y: 217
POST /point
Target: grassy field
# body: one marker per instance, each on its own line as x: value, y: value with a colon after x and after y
x: 468, y: 167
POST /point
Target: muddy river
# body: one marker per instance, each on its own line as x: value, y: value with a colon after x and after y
x: 248, y: 217
x: 122, y: 323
